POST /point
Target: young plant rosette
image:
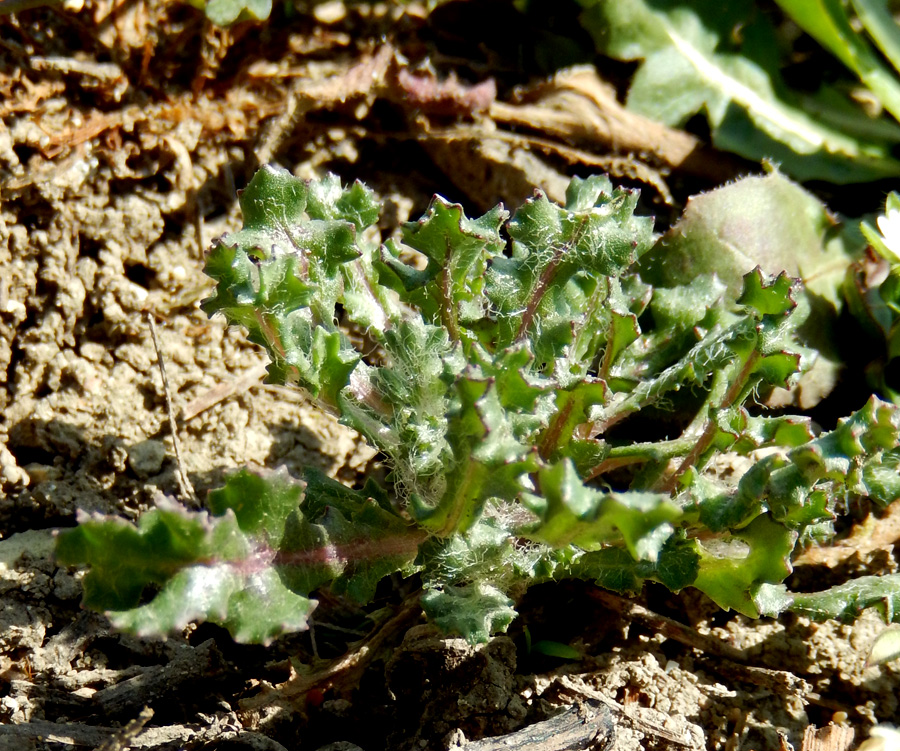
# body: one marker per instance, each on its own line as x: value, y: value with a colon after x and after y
x: 515, y: 356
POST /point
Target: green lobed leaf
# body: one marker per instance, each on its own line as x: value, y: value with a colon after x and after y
x: 773, y: 298
x: 254, y: 606
x: 364, y: 537
x: 612, y: 568
x: 414, y: 383
x: 489, y: 459
x: 679, y: 309
x: 206, y: 568
x: 623, y: 330
x: 458, y: 250
x: 573, y: 407
x: 328, y: 200
x: 881, y: 477
x: 786, y: 483
x: 676, y: 566
x: 680, y: 315
x: 475, y: 612
x: 679, y: 563
x: 316, y: 359
x: 276, y: 224
x: 242, y: 286
x: 596, y: 234
x: 845, y: 602
x: 572, y: 514
x: 260, y: 503
x: 525, y: 394
x: 281, y: 275
x: 719, y: 348
x: 771, y: 599
x: 762, y: 432
x: 125, y: 559
x: 486, y: 552
x: 729, y: 572
x: 251, y: 566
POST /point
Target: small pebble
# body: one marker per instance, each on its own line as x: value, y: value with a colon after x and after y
x: 146, y: 458
x: 330, y: 12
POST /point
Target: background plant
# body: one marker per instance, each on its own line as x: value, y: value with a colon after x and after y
x: 873, y: 289
x: 725, y: 62
x: 520, y: 364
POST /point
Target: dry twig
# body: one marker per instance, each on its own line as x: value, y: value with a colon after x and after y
x: 184, y: 484
x: 346, y: 669
x: 222, y: 391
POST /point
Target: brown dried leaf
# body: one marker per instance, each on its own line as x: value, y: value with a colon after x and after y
x: 448, y: 97
x: 872, y: 536
x: 577, y: 107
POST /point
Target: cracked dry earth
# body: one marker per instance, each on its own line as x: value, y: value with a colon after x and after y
x: 126, y: 130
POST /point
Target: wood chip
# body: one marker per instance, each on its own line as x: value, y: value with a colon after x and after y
x: 193, y: 663
x: 829, y: 738
x: 586, y: 724
x: 667, y: 732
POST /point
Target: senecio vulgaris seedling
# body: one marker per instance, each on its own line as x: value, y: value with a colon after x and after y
x: 505, y: 372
